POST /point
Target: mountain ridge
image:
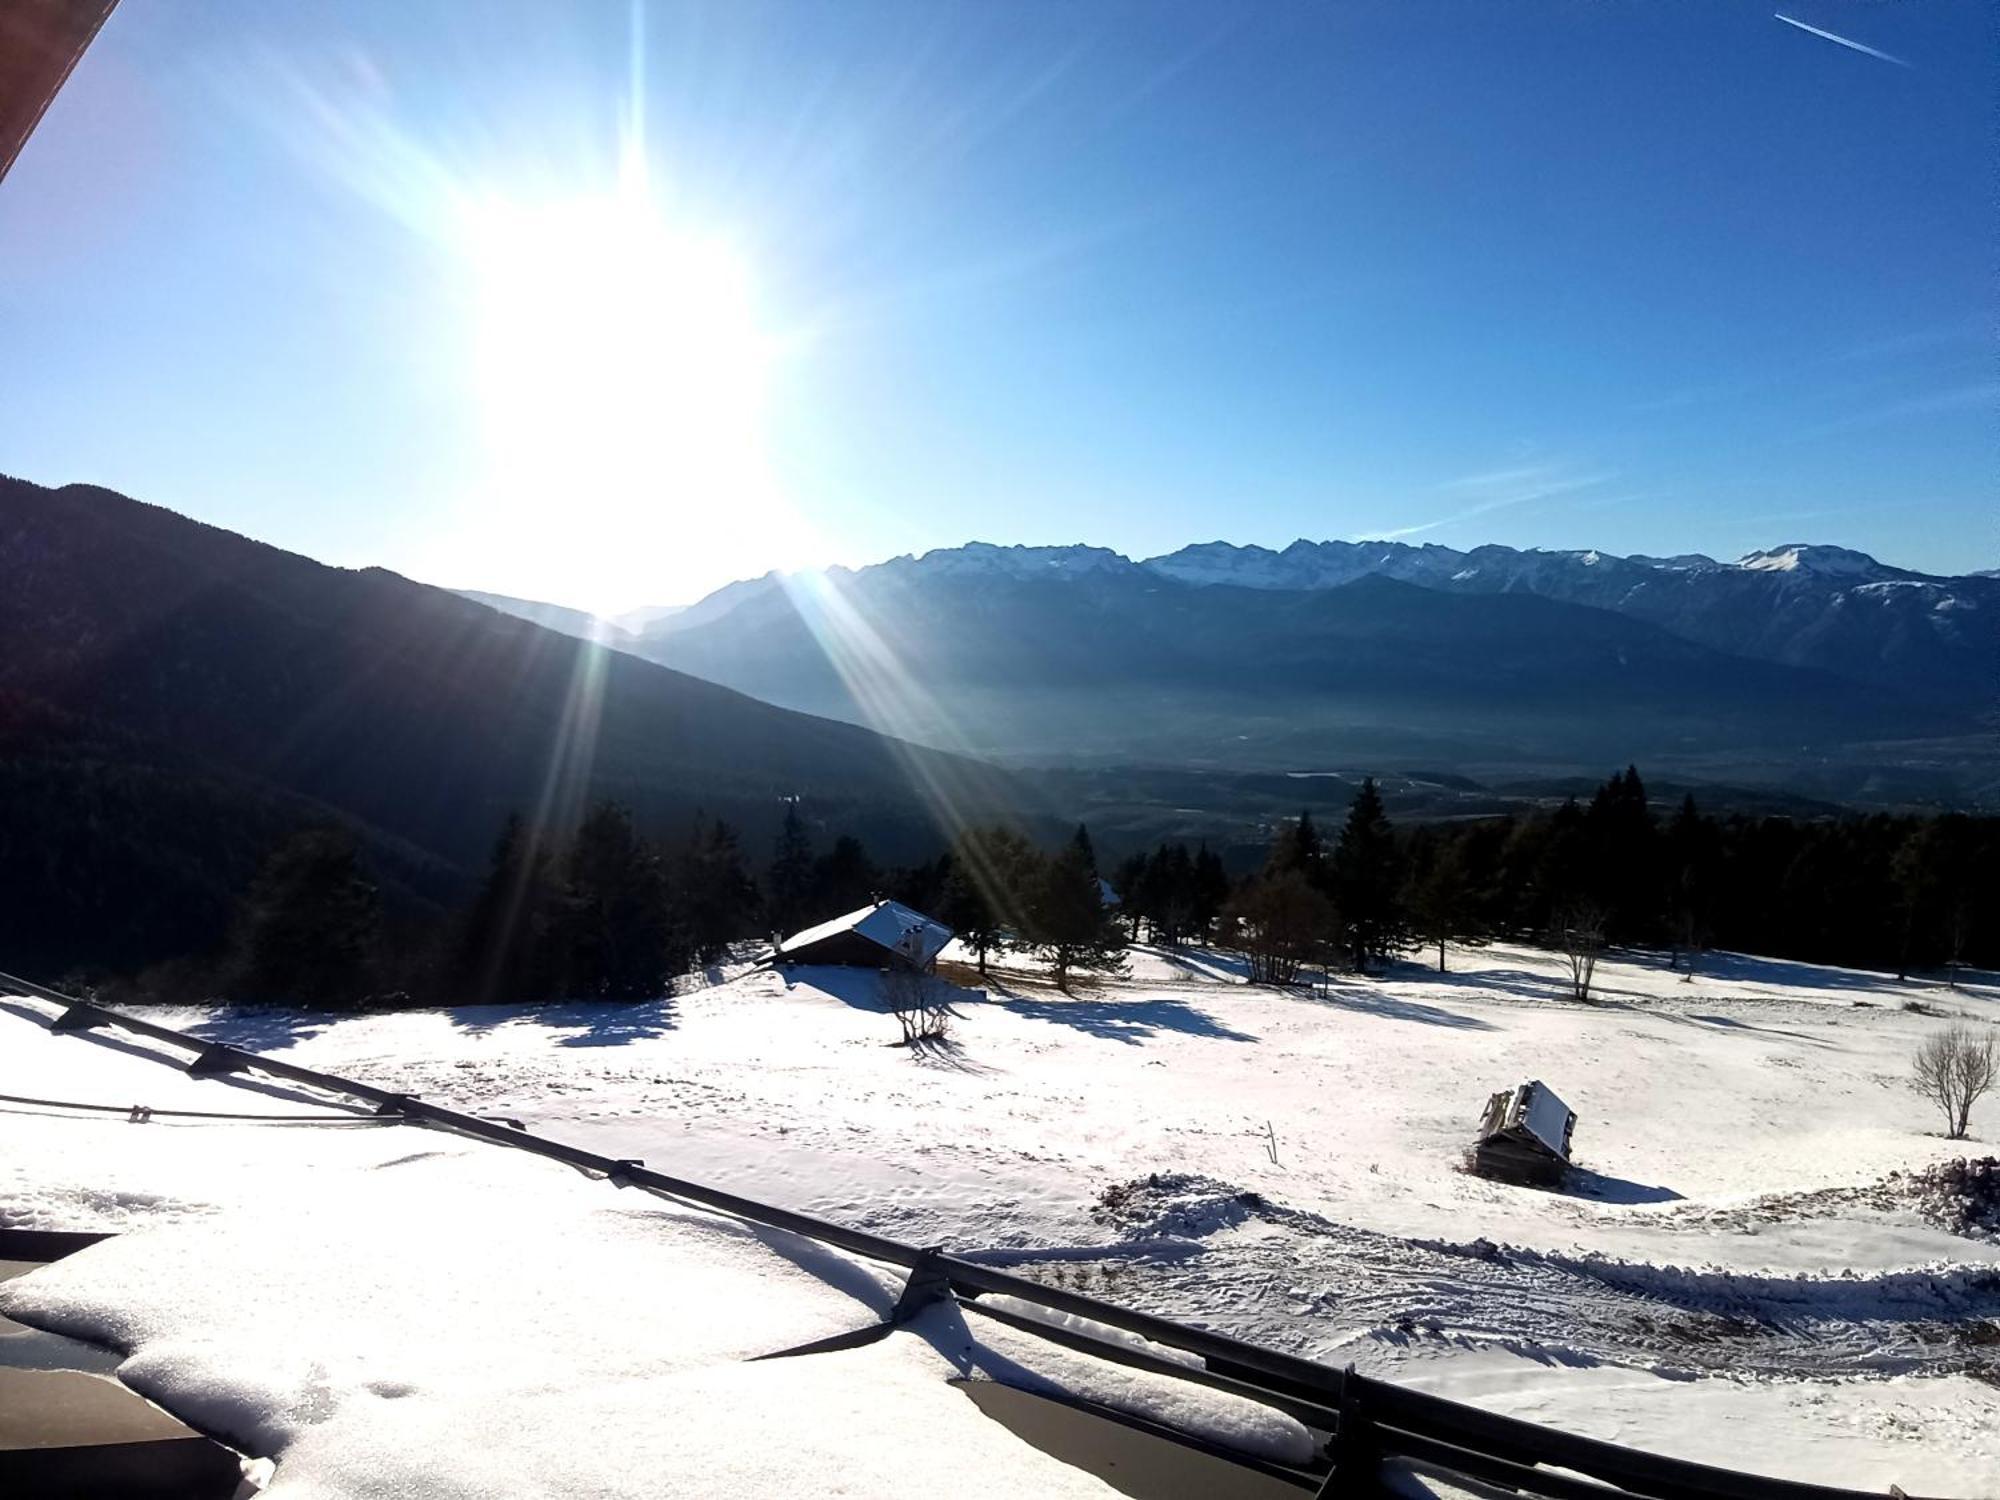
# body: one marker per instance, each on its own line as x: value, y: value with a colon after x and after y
x: 1041, y: 664
x: 139, y: 647
x: 1802, y: 604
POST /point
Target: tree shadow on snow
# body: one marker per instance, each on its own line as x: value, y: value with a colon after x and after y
x: 583, y: 1023
x: 114, y: 1041
x: 1581, y: 1182
x: 947, y: 1055
x: 1528, y: 984
x: 580, y: 1023
x: 1201, y: 963
x: 1134, y: 1021
x: 257, y: 1029
x: 1396, y: 1008
x: 1787, y: 973
x: 1731, y: 1023
x: 862, y: 988
x: 610, y: 1025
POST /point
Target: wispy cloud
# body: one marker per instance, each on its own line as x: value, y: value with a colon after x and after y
x: 1501, y: 489
x: 1976, y: 396
x: 1959, y: 333
x: 1844, y: 41
x: 1165, y: 77
x: 1848, y: 372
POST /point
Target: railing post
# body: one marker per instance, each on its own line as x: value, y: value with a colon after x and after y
x: 1357, y: 1458
x: 214, y: 1061
x: 928, y: 1283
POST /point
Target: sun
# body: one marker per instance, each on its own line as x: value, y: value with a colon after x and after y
x: 620, y: 367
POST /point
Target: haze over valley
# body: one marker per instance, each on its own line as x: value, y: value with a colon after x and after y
x: 1809, y: 669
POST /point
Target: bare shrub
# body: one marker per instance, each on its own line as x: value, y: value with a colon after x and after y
x: 1280, y: 924
x: 1578, y: 931
x: 921, y: 1004
x: 1960, y: 1197
x: 1952, y: 1069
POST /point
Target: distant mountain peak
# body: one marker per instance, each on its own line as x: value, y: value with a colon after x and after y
x: 1019, y: 561
x: 1817, y: 557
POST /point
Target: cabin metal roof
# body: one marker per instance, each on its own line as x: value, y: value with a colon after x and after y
x: 890, y: 925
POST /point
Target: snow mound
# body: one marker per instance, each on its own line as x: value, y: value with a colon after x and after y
x: 1056, y: 1318
x: 1027, y: 1363
x: 1175, y: 1205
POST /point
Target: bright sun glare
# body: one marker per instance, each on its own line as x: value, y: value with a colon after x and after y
x: 621, y: 370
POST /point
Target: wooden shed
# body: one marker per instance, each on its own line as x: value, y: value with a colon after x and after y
x: 887, y: 935
x: 1524, y: 1136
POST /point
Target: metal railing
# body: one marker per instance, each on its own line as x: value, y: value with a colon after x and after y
x: 1362, y: 1422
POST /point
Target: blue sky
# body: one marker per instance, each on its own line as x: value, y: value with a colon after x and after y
x: 1646, y: 277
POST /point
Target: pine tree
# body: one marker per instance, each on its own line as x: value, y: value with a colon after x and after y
x: 311, y: 926
x: 615, y: 936
x: 1210, y: 886
x: 1080, y: 844
x: 714, y: 900
x: 1442, y: 903
x: 1915, y: 870
x: 1067, y: 920
x: 969, y: 912
x: 1138, y: 894
x: 844, y: 878
x: 502, y: 952
x: 1692, y: 860
x: 1367, y: 881
x: 791, y: 878
x: 1622, y: 857
x: 1298, y: 849
x: 989, y: 888
x: 1560, y: 875
x: 1171, y: 873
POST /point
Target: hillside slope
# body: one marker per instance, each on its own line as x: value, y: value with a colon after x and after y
x: 131, y: 636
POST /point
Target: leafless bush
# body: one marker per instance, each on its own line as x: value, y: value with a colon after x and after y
x: 1579, y: 932
x: 1280, y: 924
x: 1952, y: 1069
x: 1960, y: 1197
x: 921, y: 1004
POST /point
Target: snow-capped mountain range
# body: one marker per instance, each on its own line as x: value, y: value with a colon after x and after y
x: 1309, y: 565
x: 1319, y: 565
x: 1799, y: 603
x: 1219, y: 654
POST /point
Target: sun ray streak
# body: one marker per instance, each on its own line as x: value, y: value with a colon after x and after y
x: 893, y: 701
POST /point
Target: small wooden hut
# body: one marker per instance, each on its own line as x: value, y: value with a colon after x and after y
x: 1524, y: 1136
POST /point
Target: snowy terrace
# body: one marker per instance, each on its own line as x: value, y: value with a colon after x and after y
x: 1735, y: 1278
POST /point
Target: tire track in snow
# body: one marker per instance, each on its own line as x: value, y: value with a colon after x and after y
x: 1260, y: 1270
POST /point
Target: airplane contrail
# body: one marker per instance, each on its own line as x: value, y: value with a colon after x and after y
x: 1843, y: 41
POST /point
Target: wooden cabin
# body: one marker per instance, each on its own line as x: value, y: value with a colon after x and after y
x: 887, y: 935
x: 1524, y: 1136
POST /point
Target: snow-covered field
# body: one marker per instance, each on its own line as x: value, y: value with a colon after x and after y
x: 1729, y: 1279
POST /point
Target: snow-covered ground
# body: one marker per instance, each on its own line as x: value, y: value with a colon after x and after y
x: 1729, y: 1279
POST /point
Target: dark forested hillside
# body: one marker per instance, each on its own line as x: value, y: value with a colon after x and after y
x: 164, y: 675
